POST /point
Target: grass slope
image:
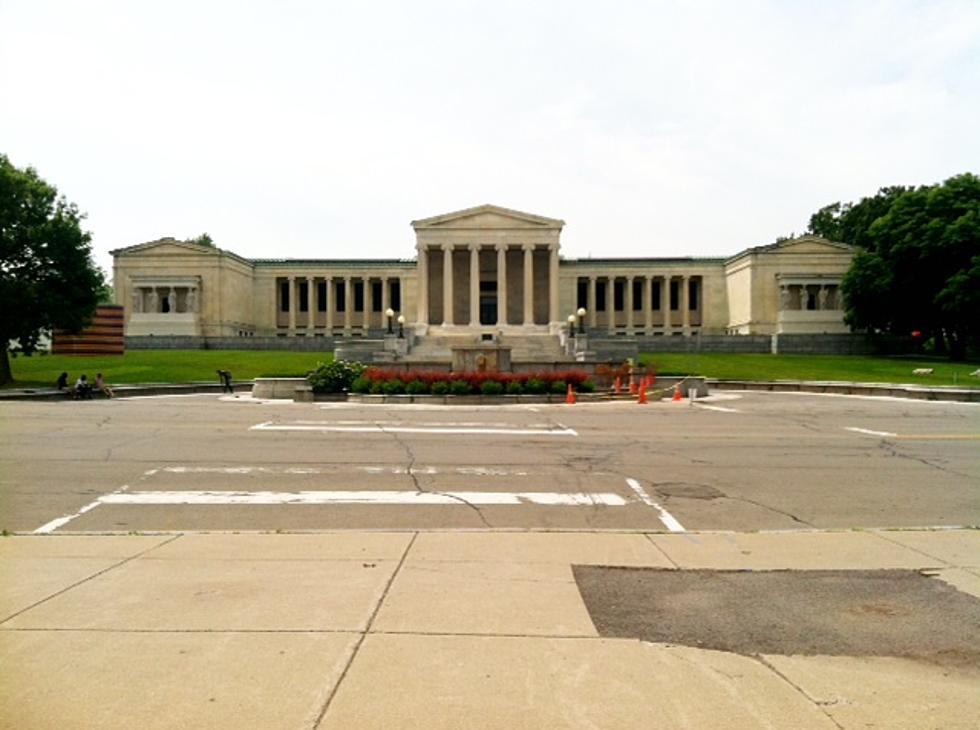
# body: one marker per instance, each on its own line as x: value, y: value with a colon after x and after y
x: 812, y: 367
x: 164, y: 366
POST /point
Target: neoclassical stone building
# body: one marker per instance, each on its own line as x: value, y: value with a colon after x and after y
x: 477, y: 271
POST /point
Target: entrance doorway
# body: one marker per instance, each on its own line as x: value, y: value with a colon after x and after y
x: 488, y: 302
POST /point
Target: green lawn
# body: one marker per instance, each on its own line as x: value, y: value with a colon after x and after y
x: 183, y: 366
x: 727, y: 366
x: 163, y: 366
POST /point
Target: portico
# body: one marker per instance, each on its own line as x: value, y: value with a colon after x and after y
x: 488, y: 267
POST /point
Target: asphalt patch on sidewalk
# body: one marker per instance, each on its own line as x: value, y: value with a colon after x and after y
x: 898, y: 613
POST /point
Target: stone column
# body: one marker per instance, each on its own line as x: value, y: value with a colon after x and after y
x: 348, y: 304
x: 592, y: 302
x: 665, y: 302
x: 501, y: 284
x: 368, y: 305
x: 611, y: 303
x: 629, y: 304
x: 331, y: 303
x: 553, y: 283
x: 385, y: 300
x: 474, y: 285
x: 422, y: 271
x: 311, y: 302
x: 647, y: 304
x: 528, y: 284
x: 447, y: 284
x: 686, y: 304
x: 292, y: 304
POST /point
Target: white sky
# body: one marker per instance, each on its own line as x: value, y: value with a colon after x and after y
x: 321, y: 129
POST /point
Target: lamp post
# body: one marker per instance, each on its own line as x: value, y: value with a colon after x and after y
x: 389, y: 313
x: 401, y: 325
x: 571, y: 325
x: 581, y: 320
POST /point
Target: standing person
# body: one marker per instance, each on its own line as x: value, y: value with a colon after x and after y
x: 225, y: 377
x: 62, y: 382
x: 102, y: 387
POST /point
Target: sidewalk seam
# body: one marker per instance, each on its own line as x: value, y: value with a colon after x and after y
x: 660, y: 549
x: 878, y: 533
x: 363, y: 636
x: 759, y: 658
x: 88, y: 578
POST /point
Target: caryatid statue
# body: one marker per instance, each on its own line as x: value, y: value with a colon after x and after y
x: 137, y: 300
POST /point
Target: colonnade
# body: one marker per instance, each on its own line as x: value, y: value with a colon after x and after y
x: 506, y: 288
x: 804, y: 296
x: 336, y: 289
x: 157, y: 299
x: 688, y: 310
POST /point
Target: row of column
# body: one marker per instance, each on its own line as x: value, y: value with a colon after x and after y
x: 797, y: 296
x: 684, y: 302
x: 448, y: 284
x: 152, y: 299
x: 348, y: 283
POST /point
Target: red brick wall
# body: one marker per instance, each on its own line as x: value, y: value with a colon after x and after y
x: 104, y: 336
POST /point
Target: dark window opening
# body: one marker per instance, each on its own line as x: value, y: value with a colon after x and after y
x: 600, y: 296
x: 655, y: 297
x: 376, y: 296
x: 284, y: 296
x: 340, y: 298
x: 582, y: 294
x: 675, y: 296
x: 304, y: 297
x: 619, y: 295
x: 692, y: 295
x: 321, y: 296
x: 358, y: 296
x: 396, y: 295
x: 638, y: 295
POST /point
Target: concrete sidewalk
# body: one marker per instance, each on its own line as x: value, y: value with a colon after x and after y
x: 432, y: 630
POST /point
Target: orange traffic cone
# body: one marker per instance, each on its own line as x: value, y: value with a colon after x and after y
x: 643, y: 396
x: 677, y: 393
x: 633, y: 388
x: 570, y: 396
x: 619, y: 385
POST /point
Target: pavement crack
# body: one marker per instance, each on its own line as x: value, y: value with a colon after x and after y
x: 410, y: 470
x: 819, y: 704
x: 892, y: 449
x: 772, y: 509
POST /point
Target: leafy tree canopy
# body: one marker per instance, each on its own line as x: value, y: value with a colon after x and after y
x: 917, y: 267
x: 203, y: 240
x: 47, y: 278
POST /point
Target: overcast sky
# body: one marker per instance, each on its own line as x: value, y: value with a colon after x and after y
x: 321, y: 129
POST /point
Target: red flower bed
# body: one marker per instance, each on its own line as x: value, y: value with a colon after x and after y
x: 575, y: 378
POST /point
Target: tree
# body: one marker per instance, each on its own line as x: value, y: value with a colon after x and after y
x: 203, y: 240
x: 47, y: 277
x: 917, y: 267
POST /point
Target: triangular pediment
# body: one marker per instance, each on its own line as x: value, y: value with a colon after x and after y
x: 809, y: 244
x: 488, y: 217
x: 166, y: 247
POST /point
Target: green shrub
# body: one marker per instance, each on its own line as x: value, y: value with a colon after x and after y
x: 586, y: 386
x: 416, y: 387
x: 559, y: 386
x: 393, y: 387
x: 459, y: 387
x: 440, y: 387
x: 492, y: 387
x: 377, y: 387
x: 336, y: 376
x: 536, y: 386
x: 514, y: 387
x: 361, y: 385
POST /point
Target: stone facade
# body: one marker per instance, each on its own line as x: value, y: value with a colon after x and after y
x: 502, y: 272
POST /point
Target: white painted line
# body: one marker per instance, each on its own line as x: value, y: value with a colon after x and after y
x: 668, y: 519
x: 423, y: 470
x: 374, y: 428
x: 869, y: 432
x: 552, y: 499
x: 721, y: 409
x: 53, y: 525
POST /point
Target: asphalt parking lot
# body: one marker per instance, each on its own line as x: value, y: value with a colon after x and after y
x: 756, y: 461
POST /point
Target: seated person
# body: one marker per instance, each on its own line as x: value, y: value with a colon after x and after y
x: 101, y: 387
x: 82, y: 387
x: 62, y: 382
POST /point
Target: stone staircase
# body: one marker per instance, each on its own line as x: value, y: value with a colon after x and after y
x: 534, y: 348
x: 524, y: 348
